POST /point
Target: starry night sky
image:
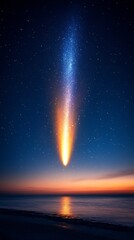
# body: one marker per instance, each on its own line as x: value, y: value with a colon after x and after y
x: 32, y: 39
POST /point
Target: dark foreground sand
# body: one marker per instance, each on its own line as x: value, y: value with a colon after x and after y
x: 27, y: 225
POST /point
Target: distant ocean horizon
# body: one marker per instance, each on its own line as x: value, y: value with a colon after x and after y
x: 113, y: 209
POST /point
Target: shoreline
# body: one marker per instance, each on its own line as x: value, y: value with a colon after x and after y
x: 19, y: 222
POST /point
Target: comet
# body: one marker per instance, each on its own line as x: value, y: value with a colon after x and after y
x: 65, y: 107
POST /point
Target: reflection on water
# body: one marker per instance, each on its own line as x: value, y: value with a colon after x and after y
x: 65, y: 208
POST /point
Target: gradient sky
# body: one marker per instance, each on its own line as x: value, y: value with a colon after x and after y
x: 31, y: 70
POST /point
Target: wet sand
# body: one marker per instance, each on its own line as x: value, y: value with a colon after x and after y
x: 28, y: 225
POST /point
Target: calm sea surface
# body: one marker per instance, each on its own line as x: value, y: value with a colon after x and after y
x: 117, y: 210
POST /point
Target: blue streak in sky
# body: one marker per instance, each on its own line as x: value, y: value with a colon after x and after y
x: 69, y: 58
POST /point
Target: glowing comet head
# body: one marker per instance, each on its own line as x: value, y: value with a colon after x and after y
x: 65, y: 128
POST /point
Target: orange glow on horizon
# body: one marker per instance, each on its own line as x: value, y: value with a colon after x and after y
x: 66, y: 186
x: 65, y: 132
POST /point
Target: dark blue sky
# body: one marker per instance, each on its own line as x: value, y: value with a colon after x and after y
x: 32, y: 40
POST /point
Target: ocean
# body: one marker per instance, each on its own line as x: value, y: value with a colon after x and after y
x: 117, y: 210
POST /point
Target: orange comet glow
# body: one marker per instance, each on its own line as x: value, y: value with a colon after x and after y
x: 65, y: 131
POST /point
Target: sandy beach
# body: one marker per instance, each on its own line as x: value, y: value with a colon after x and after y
x: 18, y: 225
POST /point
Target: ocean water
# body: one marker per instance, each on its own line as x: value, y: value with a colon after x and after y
x: 106, y: 209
